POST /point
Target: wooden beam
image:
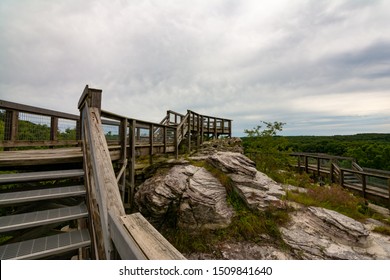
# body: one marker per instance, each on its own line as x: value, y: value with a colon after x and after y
x: 152, y: 243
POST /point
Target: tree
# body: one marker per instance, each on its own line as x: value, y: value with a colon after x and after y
x: 266, y: 148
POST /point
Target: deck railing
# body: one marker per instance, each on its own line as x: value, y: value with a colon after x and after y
x: 28, y: 126
x: 347, y: 173
x: 110, y: 227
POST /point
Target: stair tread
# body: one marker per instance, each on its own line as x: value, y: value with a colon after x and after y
x: 45, y: 246
x: 41, y: 175
x: 20, y: 221
x: 41, y: 194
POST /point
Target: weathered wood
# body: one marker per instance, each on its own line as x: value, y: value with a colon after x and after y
x: 53, y: 128
x: 43, y: 143
x: 132, y: 155
x: 103, y: 188
x: 35, y: 110
x: 151, y: 242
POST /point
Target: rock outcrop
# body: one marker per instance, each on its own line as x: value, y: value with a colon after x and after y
x: 198, y: 199
x: 195, y: 199
x: 191, y: 194
x: 318, y: 233
x: 256, y: 189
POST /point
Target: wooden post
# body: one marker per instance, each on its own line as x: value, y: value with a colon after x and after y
x: 208, y: 127
x: 123, y: 161
x: 342, y: 177
x: 331, y: 177
x: 198, y: 131
x: 201, y: 129
x: 364, y: 185
x: 306, y: 164
x: 151, y: 142
x: 11, y: 125
x: 131, y: 156
x: 165, y: 139
x: 176, y: 143
x: 215, y: 129
x: 299, y: 164
x: 389, y: 194
x: 53, y: 128
x: 189, y: 131
x: 318, y: 167
x: 101, y: 184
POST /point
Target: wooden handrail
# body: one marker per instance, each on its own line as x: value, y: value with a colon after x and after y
x: 109, y: 223
x: 337, y: 173
x: 12, y: 126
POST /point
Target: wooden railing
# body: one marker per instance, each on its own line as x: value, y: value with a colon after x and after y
x: 113, y: 232
x: 28, y: 126
x: 345, y: 171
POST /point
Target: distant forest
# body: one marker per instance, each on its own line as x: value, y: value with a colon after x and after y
x: 371, y: 150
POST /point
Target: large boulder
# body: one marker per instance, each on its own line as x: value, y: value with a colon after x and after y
x: 256, y: 189
x: 189, y: 194
x: 318, y: 233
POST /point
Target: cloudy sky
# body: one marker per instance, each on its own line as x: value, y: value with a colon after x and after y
x: 322, y: 67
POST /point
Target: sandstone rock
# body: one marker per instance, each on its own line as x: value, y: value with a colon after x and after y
x: 233, y: 144
x: 190, y: 193
x: 318, y: 233
x: 256, y: 189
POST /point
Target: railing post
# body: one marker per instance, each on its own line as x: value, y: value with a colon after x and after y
x: 100, y: 180
x: 151, y: 142
x: 189, y: 131
x: 306, y: 164
x: 132, y: 139
x: 11, y: 126
x: 215, y: 129
x: 123, y: 161
x: 388, y: 185
x: 331, y: 177
x: 318, y: 167
x: 53, y: 128
x: 176, y: 143
x: 364, y: 185
x: 299, y: 164
x: 342, y: 177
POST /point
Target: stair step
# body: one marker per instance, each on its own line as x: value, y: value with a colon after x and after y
x: 20, y: 221
x: 41, y: 194
x: 45, y: 246
x: 38, y: 176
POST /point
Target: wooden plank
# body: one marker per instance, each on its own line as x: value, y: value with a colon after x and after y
x: 151, y: 242
x: 35, y: 110
x: 40, y: 143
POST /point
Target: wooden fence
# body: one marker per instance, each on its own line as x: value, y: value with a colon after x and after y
x: 371, y: 183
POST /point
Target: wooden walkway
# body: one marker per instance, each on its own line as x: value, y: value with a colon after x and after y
x: 370, y: 183
x: 40, y: 146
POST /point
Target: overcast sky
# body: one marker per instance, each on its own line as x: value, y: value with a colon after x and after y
x: 322, y: 67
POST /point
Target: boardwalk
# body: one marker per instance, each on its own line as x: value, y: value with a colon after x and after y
x: 370, y: 183
x: 80, y: 170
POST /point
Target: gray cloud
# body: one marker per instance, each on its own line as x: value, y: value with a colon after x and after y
x: 301, y: 62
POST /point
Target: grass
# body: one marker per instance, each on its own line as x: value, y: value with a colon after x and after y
x: 335, y: 198
x: 382, y: 229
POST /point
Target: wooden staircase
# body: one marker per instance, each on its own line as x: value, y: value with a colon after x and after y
x: 37, y: 207
x: 47, y: 202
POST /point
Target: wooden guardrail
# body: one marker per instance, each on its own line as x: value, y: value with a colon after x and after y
x: 27, y: 126
x: 347, y: 173
x: 113, y: 232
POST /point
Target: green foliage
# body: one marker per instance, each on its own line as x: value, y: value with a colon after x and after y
x: 334, y: 198
x: 371, y: 150
x: 382, y: 230
x: 268, y: 150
